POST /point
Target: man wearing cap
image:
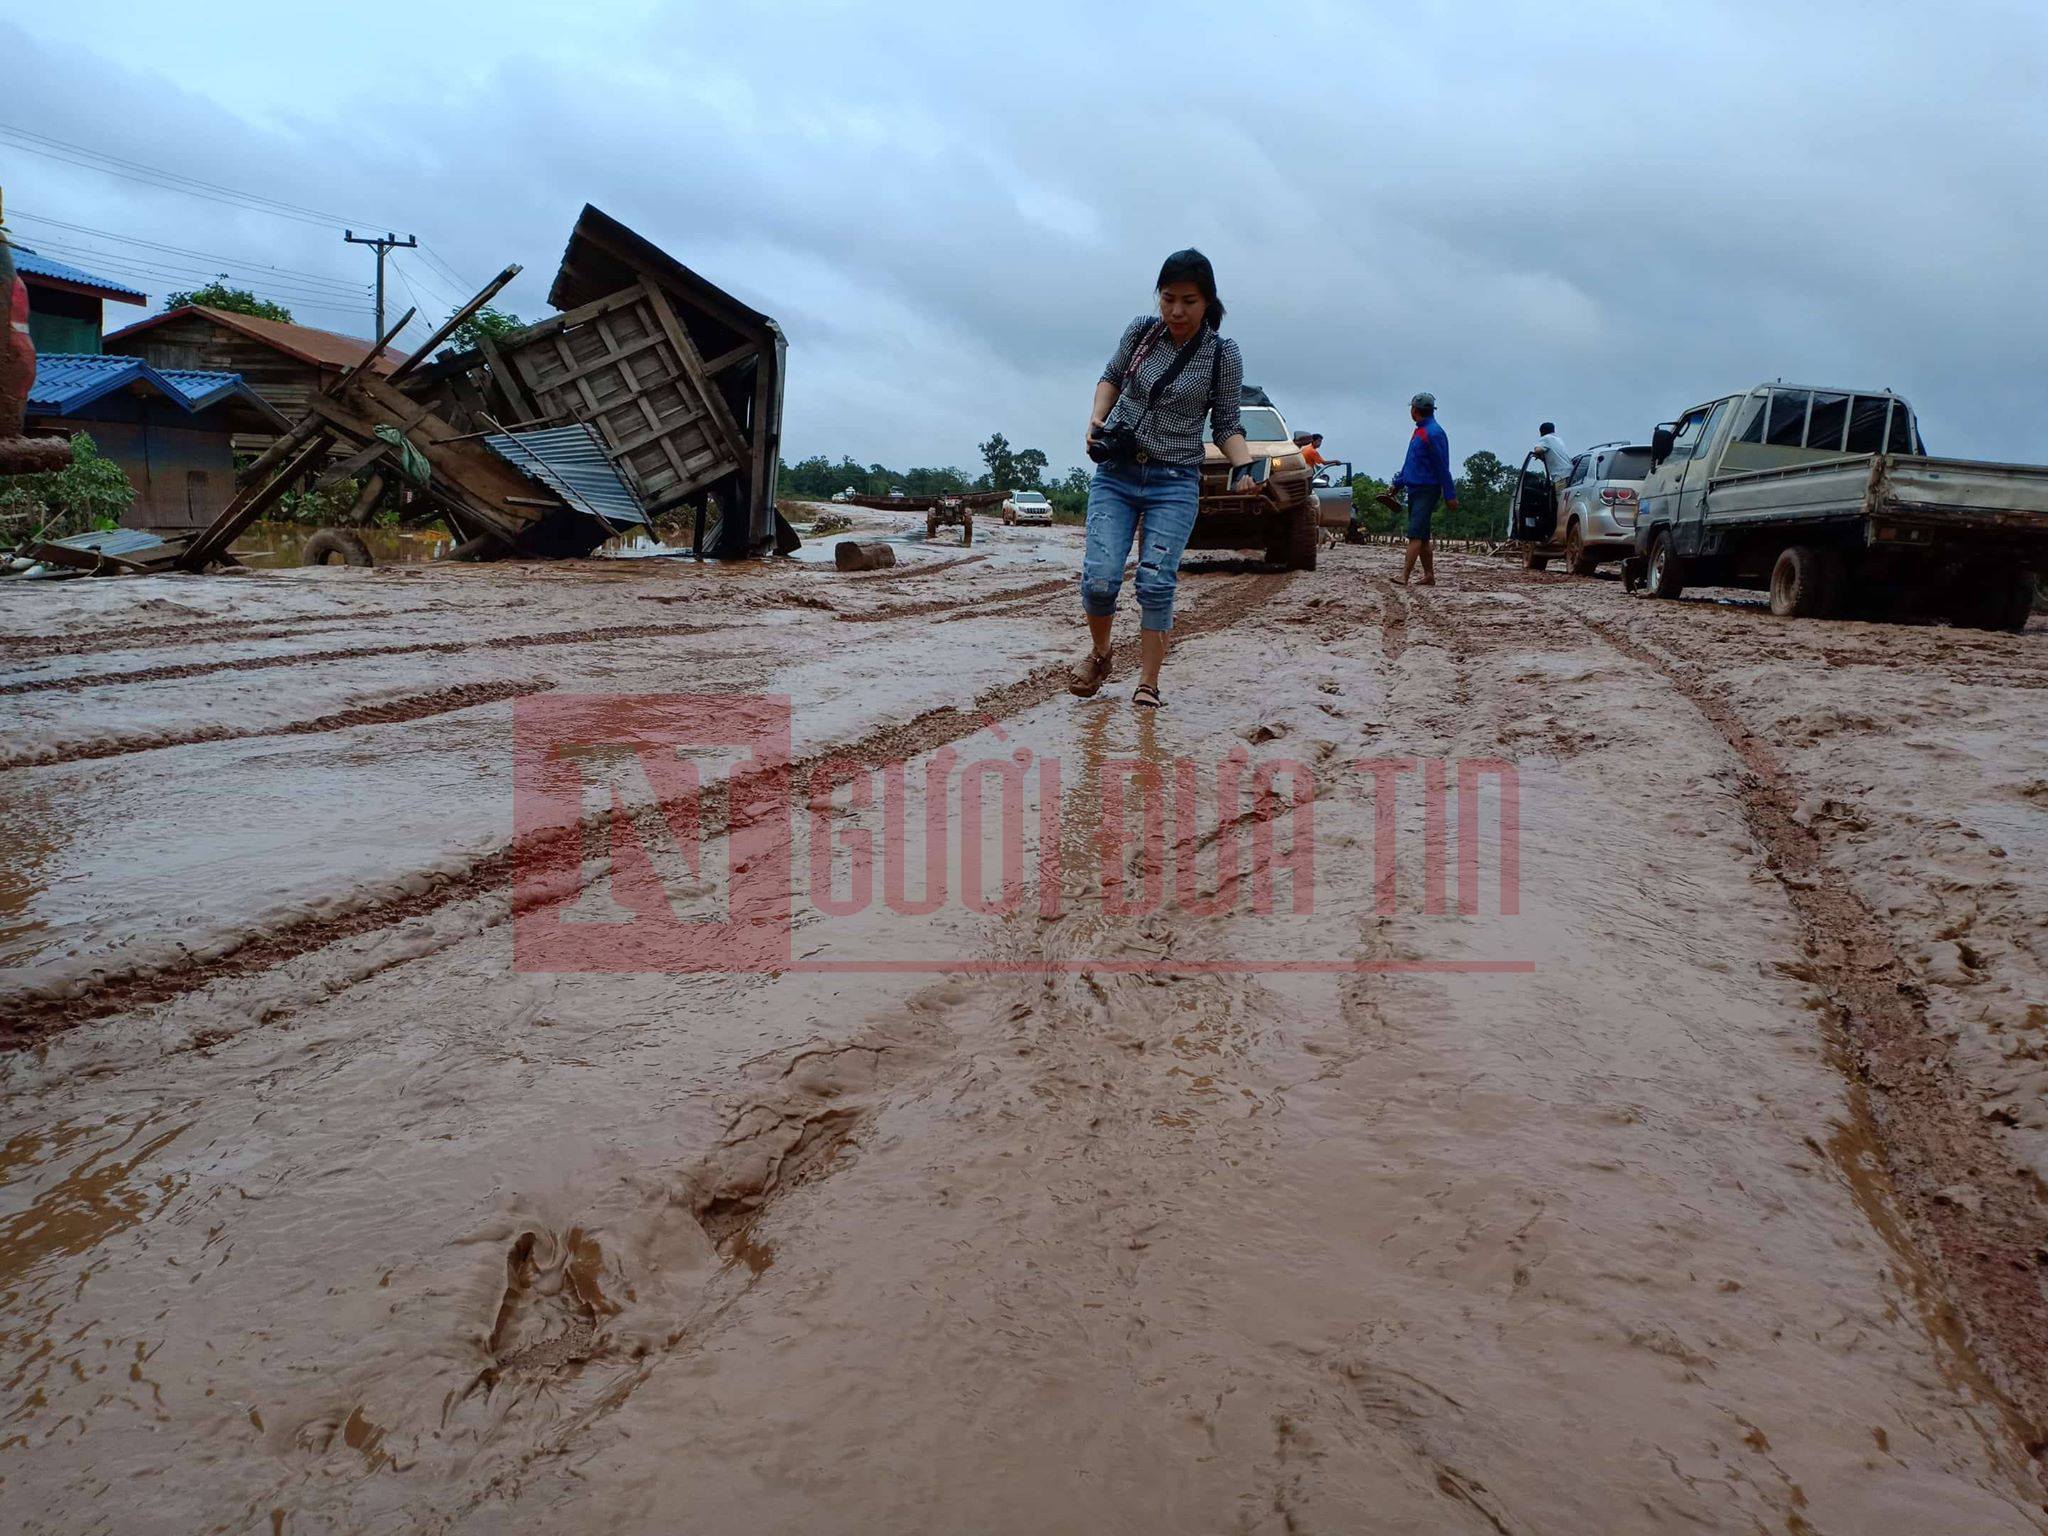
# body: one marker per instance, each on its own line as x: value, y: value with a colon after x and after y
x: 1426, y: 474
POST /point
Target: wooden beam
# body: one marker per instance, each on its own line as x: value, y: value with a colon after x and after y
x: 453, y: 323
x: 714, y: 366
x: 520, y: 405
x: 693, y: 365
x: 250, y: 502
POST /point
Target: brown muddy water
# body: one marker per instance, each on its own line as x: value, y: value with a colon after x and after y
x: 1161, y: 1199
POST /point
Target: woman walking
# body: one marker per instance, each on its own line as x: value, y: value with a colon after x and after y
x: 1169, y: 373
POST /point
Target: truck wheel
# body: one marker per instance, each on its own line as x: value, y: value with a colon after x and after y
x: 2001, y: 601
x: 336, y: 544
x: 1665, y: 576
x: 2020, y: 605
x: 1575, y: 559
x: 1304, y: 538
x: 1799, y: 585
x: 1533, y: 561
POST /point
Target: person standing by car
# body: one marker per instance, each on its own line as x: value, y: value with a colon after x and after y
x: 1167, y: 375
x: 1426, y: 475
x: 1557, y: 463
x: 1311, y: 446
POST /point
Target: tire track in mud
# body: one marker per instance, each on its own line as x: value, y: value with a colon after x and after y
x: 225, y: 632
x: 905, y: 573
x: 1978, y: 1223
x: 963, y: 607
x: 31, y: 1014
x: 356, y: 653
x: 393, y: 712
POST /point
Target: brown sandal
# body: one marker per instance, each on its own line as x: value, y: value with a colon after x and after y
x: 1147, y: 697
x: 1088, y: 676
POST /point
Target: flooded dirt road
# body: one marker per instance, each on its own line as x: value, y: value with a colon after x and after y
x: 1665, y: 1156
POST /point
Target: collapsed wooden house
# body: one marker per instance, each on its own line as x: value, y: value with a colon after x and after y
x: 652, y: 391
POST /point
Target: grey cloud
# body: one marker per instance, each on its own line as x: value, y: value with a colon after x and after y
x: 1598, y: 217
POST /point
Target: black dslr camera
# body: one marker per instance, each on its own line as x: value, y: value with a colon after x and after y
x: 1113, y: 443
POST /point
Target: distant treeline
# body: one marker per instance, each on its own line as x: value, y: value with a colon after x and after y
x: 1481, y: 513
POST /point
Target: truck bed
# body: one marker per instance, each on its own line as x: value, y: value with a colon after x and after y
x: 1896, y: 488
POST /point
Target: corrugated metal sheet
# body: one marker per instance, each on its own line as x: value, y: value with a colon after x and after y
x: 114, y: 541
x: 68, y: 381
x: 28, y: 263
x: 571, y: 461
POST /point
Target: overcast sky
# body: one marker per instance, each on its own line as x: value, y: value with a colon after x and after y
x: 1599, y: 217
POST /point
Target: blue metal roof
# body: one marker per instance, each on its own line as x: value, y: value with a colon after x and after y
x: 572, y: 462
x: 70, y: 381
x: 27, y: 261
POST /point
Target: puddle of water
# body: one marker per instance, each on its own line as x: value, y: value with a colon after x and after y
x: 277, y: 546
x: 92, y: 1200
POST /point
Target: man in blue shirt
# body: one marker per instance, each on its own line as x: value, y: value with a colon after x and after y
x: 1426, y: 474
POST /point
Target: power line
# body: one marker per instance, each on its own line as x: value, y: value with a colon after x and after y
x: 177, y: 181
x: 135, y: 266
x: 179, y: 250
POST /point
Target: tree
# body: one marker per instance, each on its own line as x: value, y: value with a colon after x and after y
x: 91, y: 492
x: 1482, y: 498
x: 1001, y: 462
x: 495, y: 324
x: 218, y: 295
x: 1069, y: 495
x: 1028, y: 465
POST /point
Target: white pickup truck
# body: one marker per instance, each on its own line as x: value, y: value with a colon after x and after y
x: 1827, y: 498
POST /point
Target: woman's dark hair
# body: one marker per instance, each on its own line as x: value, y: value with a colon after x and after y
x: 1191, y: 266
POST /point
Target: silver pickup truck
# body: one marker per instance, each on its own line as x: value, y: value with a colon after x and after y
x: 1826, y: 497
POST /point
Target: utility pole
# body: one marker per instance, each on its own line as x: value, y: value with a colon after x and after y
x: 385, y: 244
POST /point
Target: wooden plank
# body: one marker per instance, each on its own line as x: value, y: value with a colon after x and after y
x: 518, y: 341
x: 250, y: 502
x: 693, y: 365
x: 477, y: 478
x: 714, y: 366
x: 520, y: 404
x: 453, y: 323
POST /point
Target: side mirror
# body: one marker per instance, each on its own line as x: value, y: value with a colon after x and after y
x: 1661, y: 442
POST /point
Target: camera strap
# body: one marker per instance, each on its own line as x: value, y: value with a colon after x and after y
x: 1173, y: 369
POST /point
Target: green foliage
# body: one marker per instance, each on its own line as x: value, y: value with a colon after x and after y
x: 91, y: 494
x: 487, y: 322
x: 1069, y: 494
x: 218, y: 295
x: 1011, y: 469
x: 1483, y: 492
x: 319, y: 509
x: 819, y: 479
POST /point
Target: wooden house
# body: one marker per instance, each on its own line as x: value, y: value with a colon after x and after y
x: 171, y: 431
x: 285, y: 364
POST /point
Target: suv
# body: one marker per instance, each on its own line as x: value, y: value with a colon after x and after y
x: 1596, y: 517
x: 1282, y: 522
x: 1027, y: 507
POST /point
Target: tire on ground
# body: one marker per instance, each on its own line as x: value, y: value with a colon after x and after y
x: 1576, y: 559
x: 336, y: 544
x: 1799, y: 585
x: 1663, y: 577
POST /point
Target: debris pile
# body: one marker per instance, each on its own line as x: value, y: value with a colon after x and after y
x: 651, y: 392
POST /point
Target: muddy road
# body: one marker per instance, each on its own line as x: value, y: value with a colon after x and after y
x: 1647, y: 1137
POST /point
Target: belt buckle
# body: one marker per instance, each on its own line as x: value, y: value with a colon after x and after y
x: 1142, y: 457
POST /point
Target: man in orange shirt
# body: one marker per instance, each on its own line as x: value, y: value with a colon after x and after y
x: 1310, y: 444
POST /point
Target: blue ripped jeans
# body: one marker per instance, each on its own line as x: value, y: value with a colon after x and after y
x: 1122, y: 496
